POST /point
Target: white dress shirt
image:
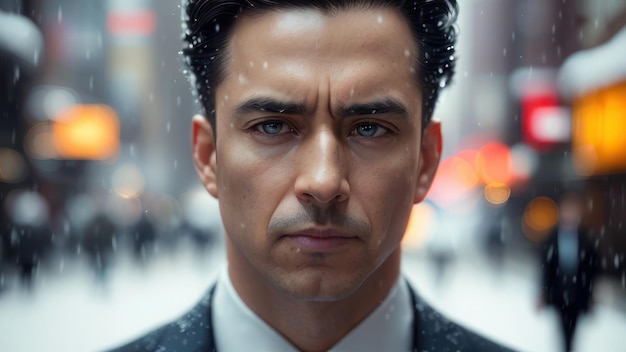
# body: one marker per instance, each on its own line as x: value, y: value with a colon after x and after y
x: 237, y: 328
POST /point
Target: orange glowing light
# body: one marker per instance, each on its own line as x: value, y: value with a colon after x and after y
x: 494, y: 163
x: 88, y: 132
x: 455, y: 179
x: 540, y: 215
x: 420, y: 226
x: 598, y: 142
x: 497, y: 193
x: 465, y: 168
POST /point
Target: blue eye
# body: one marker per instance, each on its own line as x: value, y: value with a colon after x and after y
x: 369, y: 129
x: 271, y: 127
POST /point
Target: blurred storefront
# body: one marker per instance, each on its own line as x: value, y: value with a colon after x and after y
x: 594, y: 83
x: 572, y: 111
x: 515, y: 135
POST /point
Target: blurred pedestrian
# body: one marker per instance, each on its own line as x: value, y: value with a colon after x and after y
x: 30, y: 237
x: 202, y: 222
x: 441, y: 248
x: 99, y: 241
x: 569, y: 267
x: 317, y: 142
x: 22, y: 243
x: 143, y: 239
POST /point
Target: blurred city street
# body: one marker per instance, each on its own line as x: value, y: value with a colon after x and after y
x: 107, y: 233
x: 68, y: 310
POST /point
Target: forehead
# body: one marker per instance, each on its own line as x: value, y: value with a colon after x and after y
x: 295, y: 52
x: 360, y: 25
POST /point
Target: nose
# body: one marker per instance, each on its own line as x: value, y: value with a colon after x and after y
x: 322, y: 177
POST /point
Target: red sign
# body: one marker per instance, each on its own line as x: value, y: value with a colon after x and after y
x: 139, y: 23
x: 544, y: 123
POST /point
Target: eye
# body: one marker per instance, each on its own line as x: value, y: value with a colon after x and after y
x: 368, y: 130
x: 272, y: 127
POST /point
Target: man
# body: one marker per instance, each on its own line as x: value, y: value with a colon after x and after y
x: 569, y: 264
x: 317, y: 143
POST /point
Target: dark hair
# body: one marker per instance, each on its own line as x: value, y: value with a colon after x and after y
x: 207, y: 26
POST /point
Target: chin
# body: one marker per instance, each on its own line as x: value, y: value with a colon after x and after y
x: 319, y: 285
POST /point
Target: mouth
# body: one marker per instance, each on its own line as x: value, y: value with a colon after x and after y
x: 316, y: 240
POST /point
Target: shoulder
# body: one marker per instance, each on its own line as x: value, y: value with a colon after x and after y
x: 190, y: 333
x: 435, y: 332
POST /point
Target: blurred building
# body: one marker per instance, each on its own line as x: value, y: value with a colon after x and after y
x: 98, y: 108
x: 515, y: 135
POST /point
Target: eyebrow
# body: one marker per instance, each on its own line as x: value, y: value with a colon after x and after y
x: 384, y: 106
x: 271, y: 105
x: 263, y: 104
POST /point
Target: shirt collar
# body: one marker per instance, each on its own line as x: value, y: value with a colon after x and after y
x: 238, y: 328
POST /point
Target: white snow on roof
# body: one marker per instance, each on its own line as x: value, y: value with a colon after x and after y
x: 591, y: 69
x: 20, y: 38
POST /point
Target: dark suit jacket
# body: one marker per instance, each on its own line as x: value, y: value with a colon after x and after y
x: 194, y: 333
x: 578, y: 289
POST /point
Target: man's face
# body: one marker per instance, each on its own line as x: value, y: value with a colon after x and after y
x: 317, y: 160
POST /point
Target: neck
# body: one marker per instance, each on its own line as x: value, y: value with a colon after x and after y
x: 312, y: 325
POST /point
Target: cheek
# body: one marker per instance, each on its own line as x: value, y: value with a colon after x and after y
x: 247, y: 188
x: 236, y: 188
x: 388, y: 195
x: 399, y: 174
x: 398, y: 203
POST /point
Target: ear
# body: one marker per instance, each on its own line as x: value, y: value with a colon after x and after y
x: 430, y: 154
x: 203, y: 147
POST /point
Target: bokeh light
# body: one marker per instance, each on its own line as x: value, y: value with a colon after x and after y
x: 46, y: 103
x: 465, y: 167
x: 38, y: 142
x: 13, y: 167
x: 598, y: 140
x: 540, y: 216
x: 454, y: 181
x: 524, y: 162
x: 494, y: 163
x: 26, y: 207
x: 497, y: 193
x: 128, y: 181
x: 89, y: 132
x: 421, y: 225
